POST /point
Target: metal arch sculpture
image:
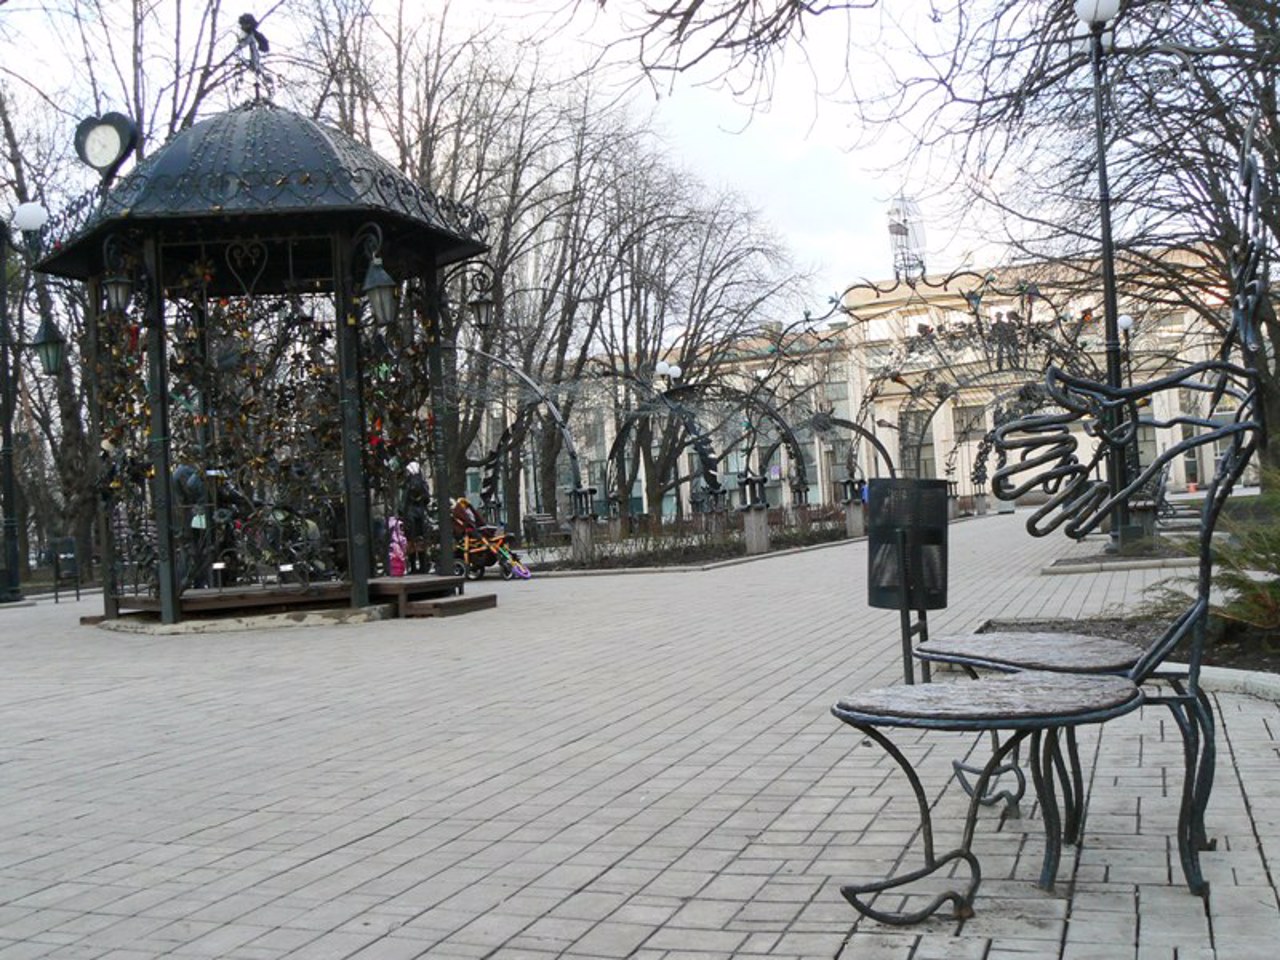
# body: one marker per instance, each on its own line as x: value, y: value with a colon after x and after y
x: 787, y: 437
x: 1011, y: 366
x: 931, y: 397
x: 492, y: 460
x: 914, y: 283
x: 889, y: 371
x: 822, y: 422
x: 1029, y: 399
x: 1022, y: 397
x: 672, y: 401
x: 1015, y: 346
x: 700, y: 439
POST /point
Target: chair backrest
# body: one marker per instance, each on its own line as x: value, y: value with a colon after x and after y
x: 1042, y: 453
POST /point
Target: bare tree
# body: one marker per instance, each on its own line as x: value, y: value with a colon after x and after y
x: 1188, y: 86
x: 154, y: 62
x: 32, y: 167
x: 700, y: 273
x: 739, y: 39
x: 993, y: 100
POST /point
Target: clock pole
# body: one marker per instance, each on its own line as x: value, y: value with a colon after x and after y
x: 28, y: 218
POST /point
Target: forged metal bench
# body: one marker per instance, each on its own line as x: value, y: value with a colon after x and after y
x: 542, y: 529
x: 1054, y: 684
x: 1026, y: 705
x: 1150, y: 503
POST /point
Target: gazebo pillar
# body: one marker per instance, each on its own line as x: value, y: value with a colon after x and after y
x: 93, y: 390
x: 434, y: 319
x: 158, y: 438
x: 356, y: 492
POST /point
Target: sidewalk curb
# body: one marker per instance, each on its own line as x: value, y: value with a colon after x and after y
x: 1253, y: 683
x: 324, y: 617
x: 695, y: 568
x: 1100, y: 567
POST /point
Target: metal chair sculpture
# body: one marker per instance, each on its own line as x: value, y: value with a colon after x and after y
x: 1083, y: 654
x: 1059, y: 693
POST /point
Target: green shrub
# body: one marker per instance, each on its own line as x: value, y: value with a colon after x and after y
x: 1246, y: 562
x: 692, y: 548
x: 1245, y: 603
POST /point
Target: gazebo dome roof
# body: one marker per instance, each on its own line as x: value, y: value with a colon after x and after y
x: 264, y: 168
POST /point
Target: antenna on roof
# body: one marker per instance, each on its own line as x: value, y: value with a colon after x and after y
x: 906, y: 234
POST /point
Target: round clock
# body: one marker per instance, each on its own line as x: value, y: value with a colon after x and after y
x: 102, y: 146
x: 103, y: 142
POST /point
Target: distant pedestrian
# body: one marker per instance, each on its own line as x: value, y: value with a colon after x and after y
x: 397, y: 561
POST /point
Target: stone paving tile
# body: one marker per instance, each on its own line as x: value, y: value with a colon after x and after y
x: 601, y: 767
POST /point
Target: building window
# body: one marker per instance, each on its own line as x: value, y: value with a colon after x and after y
x: 915, y: 444
x: 1190, y: 457
x: 1147, y: 451
x: 968, y: 423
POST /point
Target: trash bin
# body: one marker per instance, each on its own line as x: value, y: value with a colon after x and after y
x: 910, y: 515
x: 65, y: 562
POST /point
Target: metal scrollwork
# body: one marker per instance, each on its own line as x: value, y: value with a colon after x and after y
x: 247, y: 260
x: 344, y: 175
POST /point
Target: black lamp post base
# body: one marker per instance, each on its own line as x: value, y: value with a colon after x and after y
x: 1130, y: 538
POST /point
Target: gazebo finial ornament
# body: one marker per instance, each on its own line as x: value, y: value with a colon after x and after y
x: 251, y: 46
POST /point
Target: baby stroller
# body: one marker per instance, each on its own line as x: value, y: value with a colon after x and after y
x: 478, y: 545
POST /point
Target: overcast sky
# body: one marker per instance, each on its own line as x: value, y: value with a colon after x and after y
x: 832, y: 214
x: 791, y: 162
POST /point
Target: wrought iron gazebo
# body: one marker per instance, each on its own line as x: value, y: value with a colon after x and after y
x: 259, y: 388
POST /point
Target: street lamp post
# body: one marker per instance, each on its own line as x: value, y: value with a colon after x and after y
x: 1096, y: 14
x: 669, y: 372
x: 29, y: 218
x: 1125, y: 323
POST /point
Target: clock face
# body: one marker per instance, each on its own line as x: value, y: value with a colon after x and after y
x: 102, y: 145
x: 103, y: 142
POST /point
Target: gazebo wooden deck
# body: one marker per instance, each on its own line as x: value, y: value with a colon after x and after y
x: 416, y: 595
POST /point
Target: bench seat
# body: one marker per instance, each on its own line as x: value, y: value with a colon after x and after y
x: 1014, y: 650
x: 423, y: 586
x: 1031, y: 699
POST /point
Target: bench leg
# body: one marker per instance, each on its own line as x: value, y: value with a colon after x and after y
x: 964, y: 771
x: 1194, y: 716
x: 1046, y: 760
x: 1200, y: 728
x: 1202, y: 711
x: 1011, y: 798
x: 1069, y: 772
x: 858, y: 895
x: 1075, y: 835
x: 1073, y: 788
x: 1189, y: 807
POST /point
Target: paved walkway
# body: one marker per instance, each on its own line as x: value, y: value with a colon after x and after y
x: 601, y: 767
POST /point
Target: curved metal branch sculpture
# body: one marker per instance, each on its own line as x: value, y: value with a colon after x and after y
x: 492, y: 460
x: 656, y: 399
